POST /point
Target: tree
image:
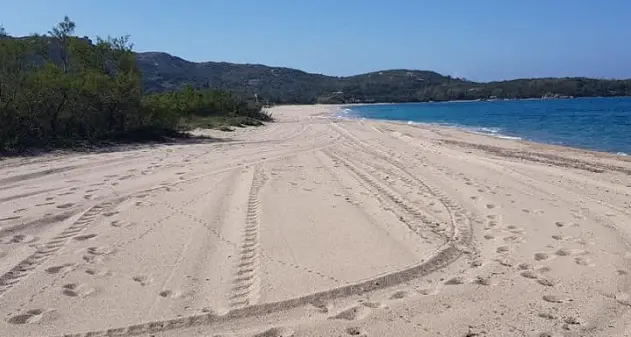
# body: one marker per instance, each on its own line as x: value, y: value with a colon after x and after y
x: 62, y: 33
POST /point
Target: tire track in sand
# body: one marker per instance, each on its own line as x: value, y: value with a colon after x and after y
x: 460, y: 218
x: 448, y: 253
x: 247, y: 282
x: 27, y: 266
x: 23, y: 269
x: 458, y: 235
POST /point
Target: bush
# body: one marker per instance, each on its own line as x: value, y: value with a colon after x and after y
x: 60, y: 90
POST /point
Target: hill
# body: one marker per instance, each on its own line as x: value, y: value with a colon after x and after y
x: 164, y: 72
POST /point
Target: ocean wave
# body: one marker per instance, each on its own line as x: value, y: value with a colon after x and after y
x: 489, y: 131
x: 622, y: 154
x: 508, y: 137
x: 342, y: 112
x: 480, y: 130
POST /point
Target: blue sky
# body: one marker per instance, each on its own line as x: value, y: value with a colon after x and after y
x: 480, y: 40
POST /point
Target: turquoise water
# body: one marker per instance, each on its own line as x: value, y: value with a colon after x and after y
x: 602, y: 124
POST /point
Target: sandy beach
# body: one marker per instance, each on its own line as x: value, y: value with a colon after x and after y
x: 318, y: 226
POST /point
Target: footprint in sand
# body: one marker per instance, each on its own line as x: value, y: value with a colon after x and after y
x: 21, y: 238
x: 354, y: 313
x: 528, y: 274
x: 57, y: 269
x: 356, y: 331
x: 110, y: 214
x: 98, y: 272
x: 455, y: 281
x: 546, y: 316
x: 581, y: 261
x: 94, y: 254
x: 548, y: 282
x: 31, y: 316
x: 372, y: 305
x: 66, y: 205
x: 506, y: 262
x: 541, y: 256
x: 490, y: 206
x: 165, y: 293
x: 85, y: 237
x: 512, y: 238
x: 143, y: 280
x: 276, y: 332
x: 502, y: 249
x: 322, y: 306
x: 555, y: 299
x: 77, y: 290
x: 427, y: 292
x: 99, y: 250
x: 483, y: 280
x: 400, y: 295
x: 563, y: 252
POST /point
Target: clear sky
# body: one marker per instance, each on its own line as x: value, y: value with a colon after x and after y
x: 480, y: 40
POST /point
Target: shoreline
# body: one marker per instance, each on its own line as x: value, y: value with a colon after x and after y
x: 336, y: 112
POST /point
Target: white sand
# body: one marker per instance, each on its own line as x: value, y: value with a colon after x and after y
x: 316, y: 226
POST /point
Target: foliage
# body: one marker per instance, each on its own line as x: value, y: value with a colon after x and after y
x: 206, y: 108
x: 60, y: 90
x: 163, y: 72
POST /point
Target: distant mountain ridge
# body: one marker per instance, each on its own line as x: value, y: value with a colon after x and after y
x: 163, y: 72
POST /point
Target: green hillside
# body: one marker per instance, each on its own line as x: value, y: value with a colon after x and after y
x: 163, y: 72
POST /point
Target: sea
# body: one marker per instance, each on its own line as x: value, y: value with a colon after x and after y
x: 600, y: 124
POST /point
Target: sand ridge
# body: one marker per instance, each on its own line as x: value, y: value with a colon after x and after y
x: 318, y: 226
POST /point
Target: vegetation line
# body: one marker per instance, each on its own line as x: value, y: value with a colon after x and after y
x: 59, y: 90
